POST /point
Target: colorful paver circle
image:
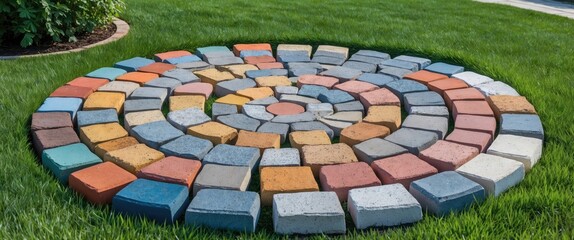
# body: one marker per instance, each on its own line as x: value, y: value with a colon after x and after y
x: 184, y: 135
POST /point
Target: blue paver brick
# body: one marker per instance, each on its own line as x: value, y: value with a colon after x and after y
x: 64, y: 160
x: 444, y: 68
x: 526, y: 125
x: 57, y: 104
x: 159, y: 201
x: 224, y: 209
x: 230, y: 155
x: 446, y: 192
x: 133, y: 64
x: 85, y: 118
x: 107, y: 73
x: 335, y: 96
x: 154, y: 134
x: 187, y: 146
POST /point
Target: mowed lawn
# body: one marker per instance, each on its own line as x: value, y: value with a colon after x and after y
x: 532, y: 52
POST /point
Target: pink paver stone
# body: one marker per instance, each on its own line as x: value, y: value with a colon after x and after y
x: 465, y: 94
x: 285, y: 108
x: 379, y: 97
x: 196, y: 88
x: 480, y: 108
x: 172, y: 54
x: 327, y: 82
x: 356, y: 87
x: 270, y: 65
x: 476, y: 123
x: 403, y: 169
x: 172, y: 170
x: 344, y: 177
x: 259, y: 59
x: 480, y: 140
x: 448, y: 156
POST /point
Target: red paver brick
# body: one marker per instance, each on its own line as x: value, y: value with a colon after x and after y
x: 379, y: 97
x: 50, y: 120
x: 258, y: 140
x: 327, y: 82
x: 510, y: 104
x: 344, y: 177
x: 476, y: 123
x: 480, y: 140
x: 157, y: 68
x: 137, y: 77
x: 88, y: 82
x: 237, y: 48
x: 172, y: 54
x: 403, y: 169
x: 172, y: 170
x: 51, y: 138
x: 440, y: 86
x: 425, y: 77
x: 100, y: 183
x: 72, y: 91
x: 197, y: 88
x: 465, y: 94
x: 362, y: 131
x: 285, y: 108
x: 355, y: 87
x: 448, y: 156
x: 480, y: 108
x: 272, y: 65
x: 259, y: 59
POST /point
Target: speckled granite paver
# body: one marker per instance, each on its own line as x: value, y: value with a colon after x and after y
x: 277, y: 128
x: 523, y: 149
x: 307, y: 213
x: 155, y: 134
x: 184, y: 119
x: 496, y: 174
x: 229, y: 155
x: 378, y: 206
x: 232, y: 210
x: 282, y: 157
x: 187, y: 146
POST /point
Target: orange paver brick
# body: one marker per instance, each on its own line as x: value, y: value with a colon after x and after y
x: 237, y: 48
x: 88, y: 82
x: 285, y: 180
x: 501, y: 104
x: 157, y: 68
x: 258, y: 140
x: 134, y: 158
x: 137, y: 77
x: 272, y: 81
x: 215, y: 132
x: 213, y: 76
x: 186, y: 101
x: 172, y: 170
x: 112, y: 145
x: 362, y: 131
x: 100, y: 183
x: 105, y: 100
x: 425, y: 77
x: 255, y: 93
x: 171, y: 54
x: 440, y: 86
x: 238, y: 70
x: 95, y: 134
x: 298, y: 139
x: 259, y: 60
x: 72, y: 91
x: 316, y: 156
x: 388, y: 116
x: 233, y: 99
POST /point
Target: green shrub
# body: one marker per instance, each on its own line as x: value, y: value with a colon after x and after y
x: 34, y: 21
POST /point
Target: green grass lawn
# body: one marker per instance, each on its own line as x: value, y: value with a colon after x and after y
x: 533, y: 52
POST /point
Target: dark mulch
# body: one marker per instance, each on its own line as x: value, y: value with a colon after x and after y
x: 99, y: 34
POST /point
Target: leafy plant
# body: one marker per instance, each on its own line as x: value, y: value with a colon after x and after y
x: 34, y: 21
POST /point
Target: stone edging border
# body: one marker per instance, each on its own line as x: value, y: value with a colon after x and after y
x: 122, y: 29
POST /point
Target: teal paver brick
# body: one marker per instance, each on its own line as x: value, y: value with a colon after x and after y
x: 107, y: 73
x: 64, y: 160
x: 133, y: 64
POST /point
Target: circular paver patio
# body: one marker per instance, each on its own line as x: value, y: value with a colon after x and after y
x: 105, y: 135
